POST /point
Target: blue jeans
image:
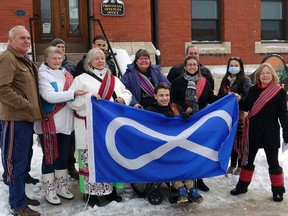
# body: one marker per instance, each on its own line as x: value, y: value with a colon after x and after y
x: 23, y: 139
x: 63, y: 148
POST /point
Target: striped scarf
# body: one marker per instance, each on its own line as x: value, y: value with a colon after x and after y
x: 146, y: 85
x: 107, y: 86
x: 49, y: 128
x: 270, y: 92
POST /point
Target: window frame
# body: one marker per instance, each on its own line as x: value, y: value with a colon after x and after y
x: 217, y: 22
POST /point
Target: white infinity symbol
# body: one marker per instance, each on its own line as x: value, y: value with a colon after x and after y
x: 172, y: 141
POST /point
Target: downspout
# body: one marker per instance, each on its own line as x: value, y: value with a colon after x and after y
x: 156, y: 31
x: 91, y: 22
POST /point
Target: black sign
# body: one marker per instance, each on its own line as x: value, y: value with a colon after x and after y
x: 112, y: 8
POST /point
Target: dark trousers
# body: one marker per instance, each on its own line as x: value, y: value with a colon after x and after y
x: 271, y: 156
x: 71, y: 151
x: 60, y: 162
x: 234, y: 159
x: 22, y: 141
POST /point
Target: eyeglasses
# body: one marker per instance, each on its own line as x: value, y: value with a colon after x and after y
x: 192, y: 65
x: 143, y: 59
x: 235, y: 58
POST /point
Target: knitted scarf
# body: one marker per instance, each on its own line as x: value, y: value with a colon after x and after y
x: 49, y: 128
x: 267, y: 94
x: 146, y: 85
x: 191, y: 98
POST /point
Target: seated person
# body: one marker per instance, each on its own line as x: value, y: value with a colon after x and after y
x: 186, y: 189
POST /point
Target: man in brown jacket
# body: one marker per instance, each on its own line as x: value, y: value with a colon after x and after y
x: 19, y: 109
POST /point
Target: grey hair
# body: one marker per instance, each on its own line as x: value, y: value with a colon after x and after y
x: 51, y: 50
x: 91, y: 56
x: 11, y: 33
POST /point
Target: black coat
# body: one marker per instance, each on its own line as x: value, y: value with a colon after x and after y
x: 178, y: 89
x: 264, y: 128
x: 166, y: 110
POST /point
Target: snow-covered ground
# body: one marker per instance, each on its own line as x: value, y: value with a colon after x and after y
x: 218, y: 201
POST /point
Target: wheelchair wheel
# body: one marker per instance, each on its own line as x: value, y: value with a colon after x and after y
x: 141, y: 189
x: 155, y: 196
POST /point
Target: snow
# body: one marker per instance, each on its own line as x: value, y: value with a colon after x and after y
x: 217, y: 202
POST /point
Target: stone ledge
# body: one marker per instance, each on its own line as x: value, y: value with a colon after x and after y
x: 268, y: 48
x: 211, y: 48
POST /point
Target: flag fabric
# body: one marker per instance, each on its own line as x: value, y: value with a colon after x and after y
x: 131, y: 145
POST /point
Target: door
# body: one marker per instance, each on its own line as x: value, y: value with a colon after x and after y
x: 65, y: 19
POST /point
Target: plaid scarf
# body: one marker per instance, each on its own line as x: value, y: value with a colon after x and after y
x: 270, y: 92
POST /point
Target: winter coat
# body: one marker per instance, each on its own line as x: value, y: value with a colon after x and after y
x: 166, y: 110
x: 264, y: 128
x: 19, y: 100
x: 51, y: 84
x: 178, y: 90
x: 68, y: 65
x: 92, y: 85
x: 240, y: 89
x: 178, y: 70
x: 131, y: 81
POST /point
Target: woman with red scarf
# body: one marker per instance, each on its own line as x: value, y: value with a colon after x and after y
x: 266, y: 103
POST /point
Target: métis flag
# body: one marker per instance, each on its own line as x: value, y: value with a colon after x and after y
x: 131, y: 145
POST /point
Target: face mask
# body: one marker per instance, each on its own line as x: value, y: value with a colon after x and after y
x: 234, y: 70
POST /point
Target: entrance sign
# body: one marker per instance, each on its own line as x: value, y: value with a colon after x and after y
x: 112, y: 8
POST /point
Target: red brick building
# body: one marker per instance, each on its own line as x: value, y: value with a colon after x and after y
x: 220, y: 28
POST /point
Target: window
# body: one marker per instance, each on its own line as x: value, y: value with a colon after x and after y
x: 273, y: 20
x: 206, y: 20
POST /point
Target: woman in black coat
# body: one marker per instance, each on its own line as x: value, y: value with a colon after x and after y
x: 236, y: 81
x: 266, y: 103
x: 193, y: 92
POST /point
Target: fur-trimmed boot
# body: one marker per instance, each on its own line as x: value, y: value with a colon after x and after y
x: 62, y: 184
x: 244, y: 181
x: 277, y: 184
x: 49, y: 189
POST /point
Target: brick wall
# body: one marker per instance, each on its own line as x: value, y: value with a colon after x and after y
x: 9, y: 18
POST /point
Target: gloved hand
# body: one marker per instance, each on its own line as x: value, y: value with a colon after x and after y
x: 185, y: 115
x: 284, y: 146
x: 169, y: 114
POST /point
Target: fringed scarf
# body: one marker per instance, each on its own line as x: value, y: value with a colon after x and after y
x: 49, y: 128
x: 270, y: 92
x: 146, y: 85
x: 194, y: 90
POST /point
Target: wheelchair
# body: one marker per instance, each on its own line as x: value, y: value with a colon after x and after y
x: 153, y: 192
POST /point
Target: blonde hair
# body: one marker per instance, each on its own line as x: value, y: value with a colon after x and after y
x: 275, y: 78
x: 52, y: 50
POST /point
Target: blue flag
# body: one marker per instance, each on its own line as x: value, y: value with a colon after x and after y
x: 131, y: 145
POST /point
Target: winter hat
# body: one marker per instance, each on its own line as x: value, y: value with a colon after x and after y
x: 56, y: 41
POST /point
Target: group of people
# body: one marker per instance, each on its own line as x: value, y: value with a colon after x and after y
x: 51, y: 102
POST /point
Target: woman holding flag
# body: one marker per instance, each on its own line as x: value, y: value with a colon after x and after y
x: 99, y: 82
x: 266, y: 103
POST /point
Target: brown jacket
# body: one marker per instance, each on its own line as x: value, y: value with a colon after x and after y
x: 19, y: 96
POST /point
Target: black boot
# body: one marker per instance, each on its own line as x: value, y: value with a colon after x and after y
x: 278, y: 193
x: 113, y: 196
x: 73, y: 172
x: 202, y: 186
x: 241, y: 187
x: 30, y: 180
x: 92, y: 200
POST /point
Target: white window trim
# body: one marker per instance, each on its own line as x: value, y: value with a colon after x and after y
x: 211, y: 48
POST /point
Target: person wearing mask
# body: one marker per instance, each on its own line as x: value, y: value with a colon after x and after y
x: 235, y: 80
x: 141, y: 77
x: 19, y: 109
x: 55, y: 129
x: 100, y: 83
x: 266, y: 106
x: 177, y: 70
x: 100, y: 42
x: 70, y: 67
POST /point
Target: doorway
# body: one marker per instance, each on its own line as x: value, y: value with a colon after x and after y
x: 65, y: 19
